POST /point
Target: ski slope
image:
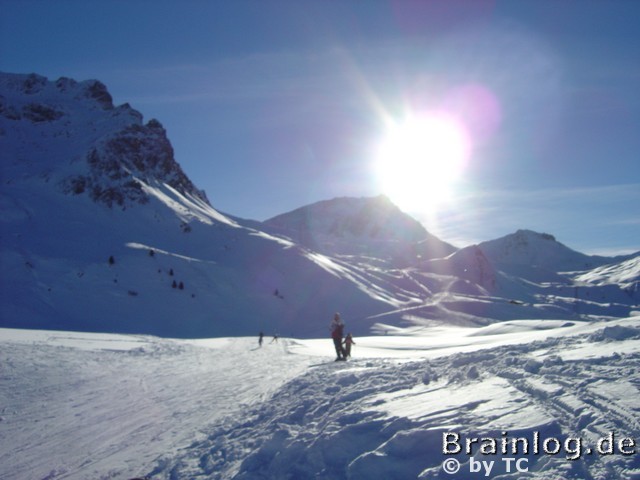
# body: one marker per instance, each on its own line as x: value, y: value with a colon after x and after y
x: 98, y: 406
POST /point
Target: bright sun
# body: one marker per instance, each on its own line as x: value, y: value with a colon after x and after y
x: 420, y: 159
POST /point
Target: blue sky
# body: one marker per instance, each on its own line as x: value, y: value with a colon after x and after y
x: 273, y: 105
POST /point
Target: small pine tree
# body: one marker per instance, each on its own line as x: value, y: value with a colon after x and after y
x: 181, y: 286
x: 112, y: 260
x: 171, y: 272
x: 174, y: 285
x: 151, y: 253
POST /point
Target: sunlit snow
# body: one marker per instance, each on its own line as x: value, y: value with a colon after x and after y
x: 79, y: 405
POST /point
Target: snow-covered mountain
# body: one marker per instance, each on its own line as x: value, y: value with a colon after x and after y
x: 371, y: 228
x: 526, y: 252
x: 528, y: 275
x: 589, y: 283
x: 102, y: 230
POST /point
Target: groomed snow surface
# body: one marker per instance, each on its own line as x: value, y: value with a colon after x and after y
x: 96, y: 406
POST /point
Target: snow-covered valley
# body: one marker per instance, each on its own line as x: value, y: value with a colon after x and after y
x: 79, y: 405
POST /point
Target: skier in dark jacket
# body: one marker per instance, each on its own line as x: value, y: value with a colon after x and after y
x: 337, y: 330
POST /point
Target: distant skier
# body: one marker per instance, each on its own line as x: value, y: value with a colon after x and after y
x: 337, y: 330
x: 260, y: 339
x: 348, y: 341
x: 275, y: 338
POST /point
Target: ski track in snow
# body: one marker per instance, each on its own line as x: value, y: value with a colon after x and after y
x: 78, y: 406
x: 73, y: 406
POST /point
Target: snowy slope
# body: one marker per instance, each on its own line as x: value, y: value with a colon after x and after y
x: 224, y: 408
x: 69, y: 410
x: 626, y: 274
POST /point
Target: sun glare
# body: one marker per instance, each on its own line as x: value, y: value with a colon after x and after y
x: 420, y: 159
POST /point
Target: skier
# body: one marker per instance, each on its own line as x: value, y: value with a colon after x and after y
x: 260, y: 339
x: 337, y: 329
x: 347, y: 345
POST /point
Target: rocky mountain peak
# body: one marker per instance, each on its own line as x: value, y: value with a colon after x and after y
x: 91, y: 147
x: 98, y: 91
x: 120, y: 165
